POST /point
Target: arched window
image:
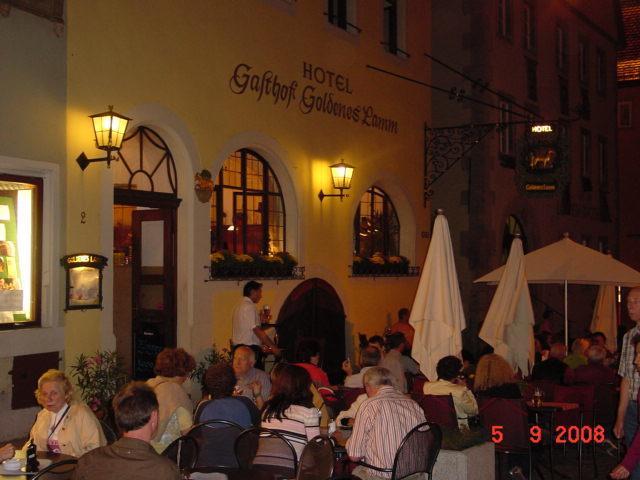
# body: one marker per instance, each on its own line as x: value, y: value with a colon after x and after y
x: 512, y: 227
x: 247, y: 208
x: 376, y: 226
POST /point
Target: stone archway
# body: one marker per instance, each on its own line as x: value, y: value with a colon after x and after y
x: 314, y: 310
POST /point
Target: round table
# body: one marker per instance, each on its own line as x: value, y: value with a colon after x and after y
x: 54, y: 457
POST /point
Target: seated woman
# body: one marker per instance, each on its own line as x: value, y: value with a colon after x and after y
x: 173, y: 366
x: 308, y: 357
x: 63, y: 425
x: 219, y: 382
x: 290, y: 409
x: 495, y: 378
x: 449, y: 383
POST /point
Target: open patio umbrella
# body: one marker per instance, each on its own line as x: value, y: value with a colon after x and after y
x: 566, y: 262
x: 605, y: 317
x: 437, y: 314
x: 508, y: 326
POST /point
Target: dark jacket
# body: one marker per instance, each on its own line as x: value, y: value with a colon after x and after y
x: 551, y: 370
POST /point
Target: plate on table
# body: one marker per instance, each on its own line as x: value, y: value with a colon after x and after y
x: 44, y: 462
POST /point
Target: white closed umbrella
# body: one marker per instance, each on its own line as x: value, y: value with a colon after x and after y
x: 508, y: 326
x: 605, y: 317
x: 437, y: 314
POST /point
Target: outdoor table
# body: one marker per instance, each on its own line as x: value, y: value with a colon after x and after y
x: 51, y: 457
x: 549, y: 410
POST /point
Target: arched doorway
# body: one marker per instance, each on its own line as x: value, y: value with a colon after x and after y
x: 313, y: 309
x: 145, y: 250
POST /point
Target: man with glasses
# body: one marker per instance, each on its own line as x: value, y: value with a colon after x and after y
x: 627, y: 419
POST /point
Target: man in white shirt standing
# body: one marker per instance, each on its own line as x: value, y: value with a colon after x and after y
x: 247, y: 323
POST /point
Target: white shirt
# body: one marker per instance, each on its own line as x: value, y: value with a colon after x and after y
x: 245, y: 319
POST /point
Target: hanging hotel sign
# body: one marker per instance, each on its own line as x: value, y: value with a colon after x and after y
x: 542, y: 166
x: 318, y: 91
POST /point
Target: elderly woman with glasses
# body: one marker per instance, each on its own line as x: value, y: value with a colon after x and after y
x: 63, y: 425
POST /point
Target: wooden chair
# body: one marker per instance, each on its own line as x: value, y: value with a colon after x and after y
x: 438, y: 409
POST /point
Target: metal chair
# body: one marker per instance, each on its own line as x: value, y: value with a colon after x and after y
x: 62, y: 470
x: 316, y: 460
x: 215, y: 439
x: 417, y: 452
x: 183, y: 451
x: 109, y: 433
x: 268, y: 449
x: 512, y: 418
x: 438, y: 409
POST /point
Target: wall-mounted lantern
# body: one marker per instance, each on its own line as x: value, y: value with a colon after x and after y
x: 109, y: 128
x: 341, y: 174
x: 84, y: 280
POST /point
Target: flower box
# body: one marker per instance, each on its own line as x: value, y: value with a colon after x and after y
x: 381, y: 266
x: 226, y: 265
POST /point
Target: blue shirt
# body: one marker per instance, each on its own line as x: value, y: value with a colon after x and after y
x: 230, y: 408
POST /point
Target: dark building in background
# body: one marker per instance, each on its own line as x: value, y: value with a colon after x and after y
x: 629, y: 135
x: 545, y: 61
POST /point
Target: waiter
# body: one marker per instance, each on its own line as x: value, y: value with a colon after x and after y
x: 247, y: 324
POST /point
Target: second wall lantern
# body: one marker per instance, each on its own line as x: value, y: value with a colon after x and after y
x: 341, y: 174
x: 109, y: 128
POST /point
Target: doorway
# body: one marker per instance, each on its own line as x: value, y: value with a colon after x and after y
x: 145, y: 303
x: 314, y: 310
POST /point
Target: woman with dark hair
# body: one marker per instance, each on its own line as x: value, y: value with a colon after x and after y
x: 290, y: 409
x: 173, y: 366
x: 308, y: 357
x: 450, y: 382
x: 219, y: 382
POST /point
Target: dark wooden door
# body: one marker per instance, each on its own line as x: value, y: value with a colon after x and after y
x: 154, y: 286
x: 25, y: 373
x: 314, y: 310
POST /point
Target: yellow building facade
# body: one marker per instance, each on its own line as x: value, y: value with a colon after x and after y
x: 277, y: 78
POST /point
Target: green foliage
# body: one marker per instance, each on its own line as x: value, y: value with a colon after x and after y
x: 212, y: 357
x: 226, y: 264
x: 99, y: 378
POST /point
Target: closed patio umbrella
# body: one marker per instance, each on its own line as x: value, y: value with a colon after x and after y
x: 508, y: 326
x: 437, y: 314
x: 565, y: 262
x: 605, y: 318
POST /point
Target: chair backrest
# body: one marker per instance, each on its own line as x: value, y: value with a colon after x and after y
x: 109, y: 433
x: 268, y: 449
x: 349, y: 395
x: 215, y: 439
x: 584, y: 395
x: 438, y: 409
x: 418, y: 384
x: 62, y: 470
x: 606, y: 404
x: 510, y: 418
x: 183, y: 451
x: 418, y: 451
x: 316, y: 461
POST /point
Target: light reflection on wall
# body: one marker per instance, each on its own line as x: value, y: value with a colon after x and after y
x: 25, y: 238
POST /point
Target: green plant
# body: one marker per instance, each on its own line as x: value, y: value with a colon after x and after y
x: 211, y: 357
x: 99, y: 378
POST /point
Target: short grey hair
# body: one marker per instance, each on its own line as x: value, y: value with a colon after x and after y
x: 377, y: 377
x: 249, y: 350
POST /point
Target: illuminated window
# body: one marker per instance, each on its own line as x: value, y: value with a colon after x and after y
x: 247, y: 208
x: 20, y: 249
x: 376, y: 226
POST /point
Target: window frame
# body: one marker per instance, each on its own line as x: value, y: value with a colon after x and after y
x: 37, y: 258
x: 583, y: 61
x: 603, y: 164
x: 529, y: 31
x: 585, y: 157
x: 504, y: 13
x: 562, y: 47
x: 506, y: 135
x: 532, y: 79
x: 626, y: 104
x: 244, y: 192
x: 601, y: 71
x: 388, y: 208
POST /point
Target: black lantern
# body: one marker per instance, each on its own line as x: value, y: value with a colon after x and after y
x: 84, y: 280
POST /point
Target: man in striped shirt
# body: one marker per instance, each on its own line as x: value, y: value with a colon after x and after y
x: 381, y: 423
x: 627, y: 420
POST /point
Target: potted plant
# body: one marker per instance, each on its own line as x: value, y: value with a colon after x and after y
x: 99, y: 378
x: 211, y: 357
x: 204, y: 185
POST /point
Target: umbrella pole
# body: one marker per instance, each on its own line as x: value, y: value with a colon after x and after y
x: 566, y: 317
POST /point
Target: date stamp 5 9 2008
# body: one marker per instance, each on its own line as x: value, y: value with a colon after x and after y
x: 563, y: 434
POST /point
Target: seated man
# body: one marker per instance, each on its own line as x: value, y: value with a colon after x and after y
x: 595, y: 372
x: 370, y: 357
x: 250, y: 380
x: 398, y: 364
x: 381, y: 424
x: 577, y: 356
x: 449, y: 382
x: 136, y: 414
